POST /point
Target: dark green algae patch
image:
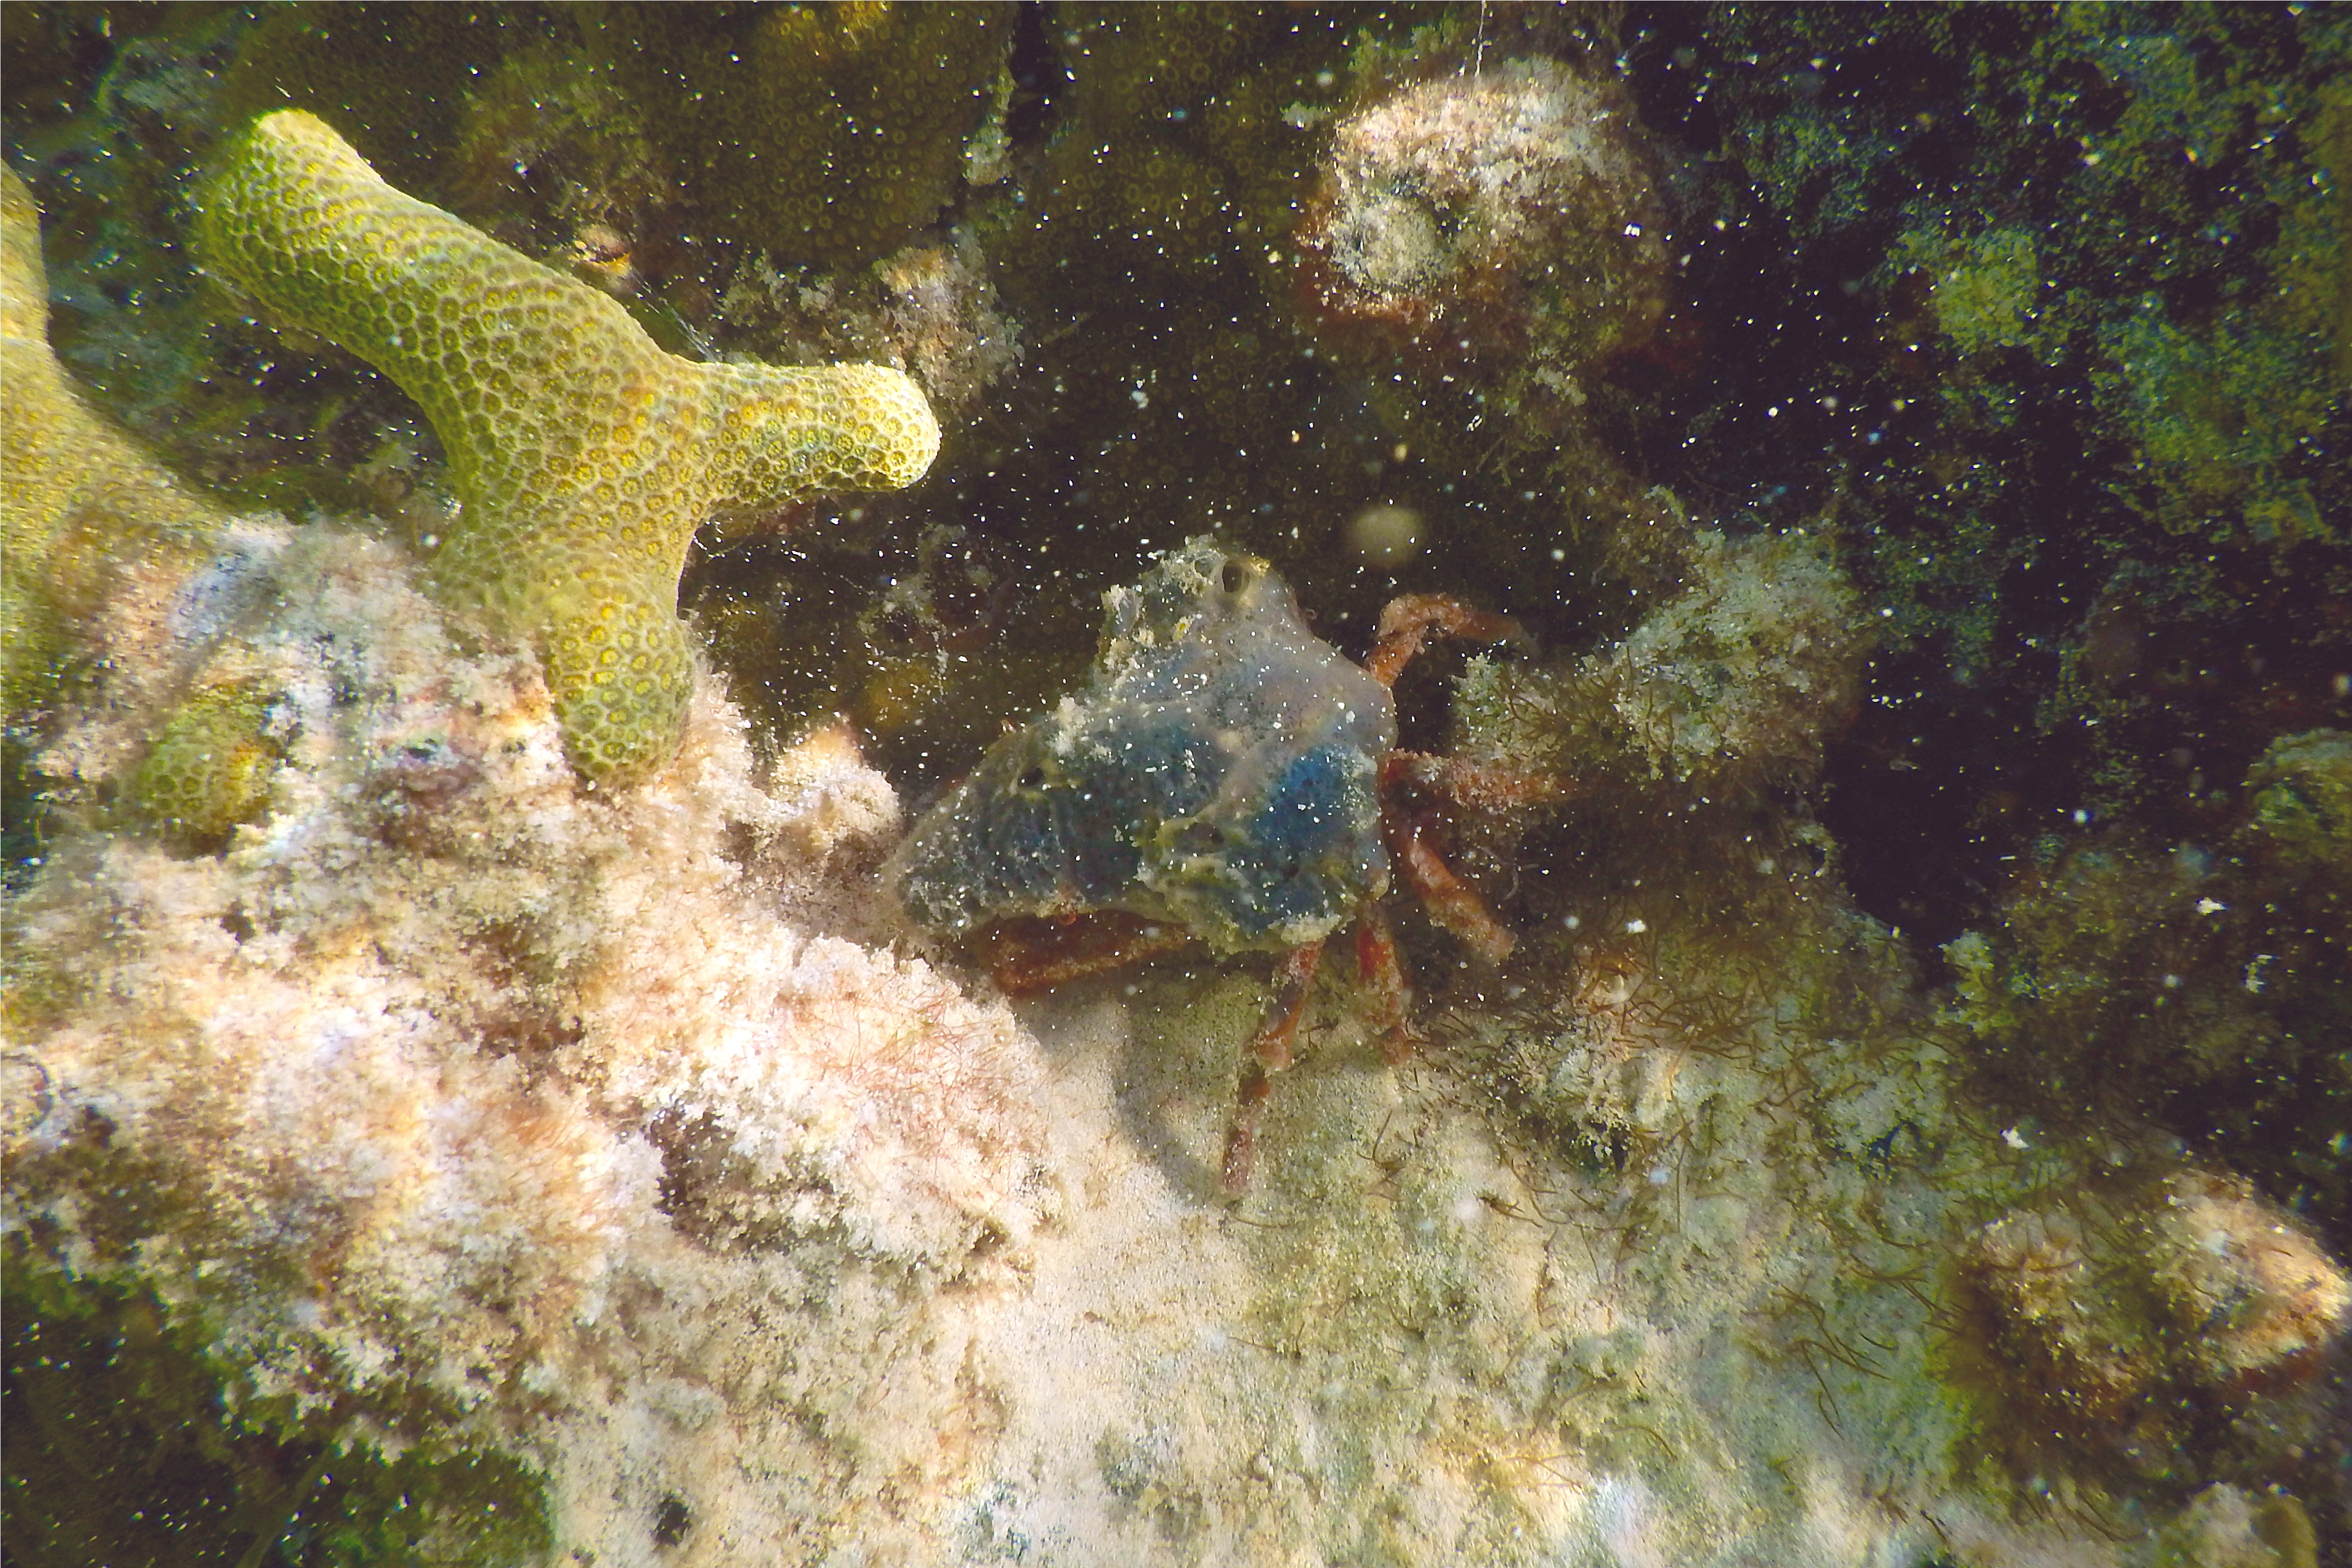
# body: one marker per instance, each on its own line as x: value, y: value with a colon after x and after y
x: 2041, y: 315
x: 2070, y: 331
x: 2063, y: 327
x: 124, y: 1447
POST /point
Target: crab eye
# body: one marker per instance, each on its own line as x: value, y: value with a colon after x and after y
x: 1033, y: 779
x: 1236, y: 575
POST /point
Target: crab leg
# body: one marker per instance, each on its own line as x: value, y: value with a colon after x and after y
x: 1408, y: 623
x: 1411, y: 620
x: 1482, y: 786
x: 1449, y: 900
x: 1269, y: 1054
x: 1036, y: 954
x: 1382, y: 972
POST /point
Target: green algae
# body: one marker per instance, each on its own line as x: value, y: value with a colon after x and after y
x: 112, y: 1396
x: 2203, y: 987
x: 829, y: 132
x: 1986, y: 293
x: 2070, y: 360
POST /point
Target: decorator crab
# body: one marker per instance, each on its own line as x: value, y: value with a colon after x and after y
x: 1226, y: 777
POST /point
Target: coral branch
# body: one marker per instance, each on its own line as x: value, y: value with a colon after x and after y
x: 80, y: 504
x: 585, y: 456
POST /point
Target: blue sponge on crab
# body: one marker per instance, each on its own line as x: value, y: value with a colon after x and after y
x: 1217, y: 776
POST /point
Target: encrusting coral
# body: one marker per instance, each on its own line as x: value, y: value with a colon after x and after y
x: 209, y: 769
x: 585, y: 457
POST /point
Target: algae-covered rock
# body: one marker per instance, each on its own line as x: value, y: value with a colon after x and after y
x: 2071, y: 345
x: 826, y: 134
x: 2202, y: 986
x: 436, y: 1088
x: 2095, y: 1325
x: 1734, y: 685
x: 2300, y: 814
x: 1504, y: 234
x: 111, y: 1394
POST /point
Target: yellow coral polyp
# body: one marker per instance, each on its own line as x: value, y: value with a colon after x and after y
x: 585, y: 455
x: 210, y: 769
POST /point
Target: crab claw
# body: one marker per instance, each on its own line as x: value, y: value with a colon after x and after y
x: 1410, y: 620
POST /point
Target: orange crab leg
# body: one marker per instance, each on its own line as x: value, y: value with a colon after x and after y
x: 1482, y: 786
x: 1269, y: 1054
x: 1411, y: 620
x: 1407, y: 624
x: 1382, y: 973
x: 1449, y: 900
x: 1035, y: 953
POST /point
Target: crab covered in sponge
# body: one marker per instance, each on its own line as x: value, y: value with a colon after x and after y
x: 1226, y: 777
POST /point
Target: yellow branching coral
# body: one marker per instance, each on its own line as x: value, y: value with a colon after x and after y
x: 78, y: 501
x: 584, y: 454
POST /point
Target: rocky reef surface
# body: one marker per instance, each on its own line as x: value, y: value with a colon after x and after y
x: 447, y: 1122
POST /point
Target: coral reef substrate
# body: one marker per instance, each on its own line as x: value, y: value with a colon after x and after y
x: 469, y: 1104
